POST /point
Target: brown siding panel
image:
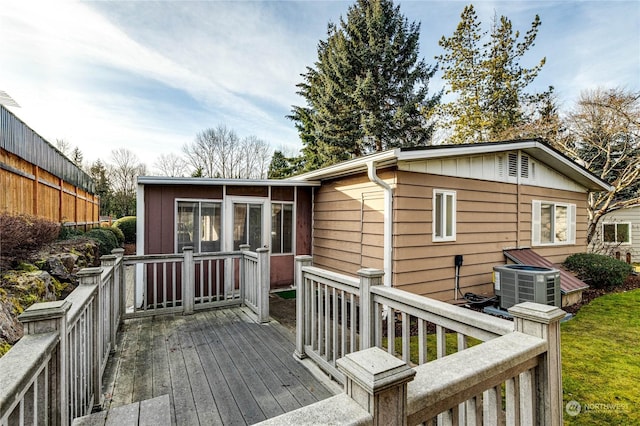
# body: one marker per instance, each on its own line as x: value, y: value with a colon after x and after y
x: 348, y: 224
x: 487, y: 222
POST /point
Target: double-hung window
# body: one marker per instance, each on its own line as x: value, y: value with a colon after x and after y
x: 198, y: 225
x: 281, y: 228
x: 444, y: 215
x: 616, y: 233
x: 553, y: 223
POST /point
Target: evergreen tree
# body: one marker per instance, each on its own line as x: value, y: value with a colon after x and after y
x: 282, y: 167
x: 483, y: 70
x: 98, y: 173
x: 367, y: 91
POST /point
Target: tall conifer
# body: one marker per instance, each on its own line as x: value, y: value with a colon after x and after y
x: 368, y: 91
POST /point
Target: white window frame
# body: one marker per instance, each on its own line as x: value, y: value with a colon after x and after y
x: 293, y: 226
x: 616, y: 242
x: 536, y: 226
x: 443, y: 215
x: 199, y: 201
x: 228, y: 218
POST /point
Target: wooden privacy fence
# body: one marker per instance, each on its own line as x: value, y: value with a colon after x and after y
x: 54, y: 373
x: 37, y: 179
x: 452, y: 365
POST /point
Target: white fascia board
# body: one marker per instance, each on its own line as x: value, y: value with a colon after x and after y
x: 348, y: 167
x: 163, y: 180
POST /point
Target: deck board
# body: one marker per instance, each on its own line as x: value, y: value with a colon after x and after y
x: 217, y: 366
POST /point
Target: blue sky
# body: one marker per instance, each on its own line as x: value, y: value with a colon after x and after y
x: 148, y: 76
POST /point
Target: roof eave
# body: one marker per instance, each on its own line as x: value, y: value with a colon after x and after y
x: 163, y: 180
x: 349, y: 167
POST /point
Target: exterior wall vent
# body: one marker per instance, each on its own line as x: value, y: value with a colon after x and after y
x: 524, y: 166
x: 513, y: 164
x: 515, y: 284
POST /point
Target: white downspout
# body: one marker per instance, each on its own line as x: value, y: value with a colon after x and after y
x: 388, y: 222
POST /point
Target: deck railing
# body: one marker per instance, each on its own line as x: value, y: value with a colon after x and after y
x: 467, y: 365
x: 54, y: 373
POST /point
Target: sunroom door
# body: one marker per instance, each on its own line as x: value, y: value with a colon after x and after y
x: 247, y: 224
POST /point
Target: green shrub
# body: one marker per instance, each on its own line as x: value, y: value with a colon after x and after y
x: 116, y: 232
x: 69, y: 233
x: 127, y: 225
x: 597, y: 270
x: 106, y: 240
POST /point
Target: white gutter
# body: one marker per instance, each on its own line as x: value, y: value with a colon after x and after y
x: 388, y: 222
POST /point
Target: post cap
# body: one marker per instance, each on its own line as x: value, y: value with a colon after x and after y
x: 537, y: 312
x: 375, y: 370
x: 45, y: 310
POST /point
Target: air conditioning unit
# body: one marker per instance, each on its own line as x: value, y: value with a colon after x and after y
x: 515, y: 284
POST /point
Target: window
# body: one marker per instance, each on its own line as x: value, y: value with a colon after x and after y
x: 553, y: 223
x: 616, y: 233
x: 198, y: 225
x: 281, y: 228
x: 444, y: 215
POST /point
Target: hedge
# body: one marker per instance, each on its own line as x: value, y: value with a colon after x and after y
x: 597, y: 270
x: 106, y: 239
x: 127, y: 225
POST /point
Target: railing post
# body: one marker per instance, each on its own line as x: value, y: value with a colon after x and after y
x: 377, y: 381
x: 90, y: 277
x: 119, y: 300
x: 188, y: 281
x: 42, y: 318
x: 109, y: 261
x: 543, y: 321
x: 303, y: 329
x: 264, y: 284
x: 243, y: 272
x: 368, y: 278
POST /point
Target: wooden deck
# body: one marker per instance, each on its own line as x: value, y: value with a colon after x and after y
x: 217, y: 366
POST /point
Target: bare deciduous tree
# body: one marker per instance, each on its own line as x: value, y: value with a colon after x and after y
x: 123, y: 172
x: 220, y: 153
x: 171, y: 165
x: 604, y: 136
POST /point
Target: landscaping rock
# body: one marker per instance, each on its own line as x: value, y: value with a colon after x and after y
x: 10, y: 328
x: 58, y: 269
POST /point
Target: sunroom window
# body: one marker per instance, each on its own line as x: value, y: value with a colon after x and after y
x: 198, y: 224
x: 281, y: 228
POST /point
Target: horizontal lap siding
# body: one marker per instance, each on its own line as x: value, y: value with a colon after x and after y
x: 348, y: 225
x: 486, y: 218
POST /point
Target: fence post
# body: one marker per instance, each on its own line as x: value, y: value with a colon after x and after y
x: 543, y: 321
x: 377, y: 381
x: 42, y: 318
x: 303, y: 329
x: 368, y: 278
x: 188, y: 281
x: 244, y: 278
x: 264, y: 284
x: 90, y: 277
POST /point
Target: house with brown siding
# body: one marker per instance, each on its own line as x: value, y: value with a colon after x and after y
x: 411, y: 212
x: 219, y: 215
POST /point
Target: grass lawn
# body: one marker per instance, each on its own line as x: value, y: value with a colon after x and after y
x: 601, y: 361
